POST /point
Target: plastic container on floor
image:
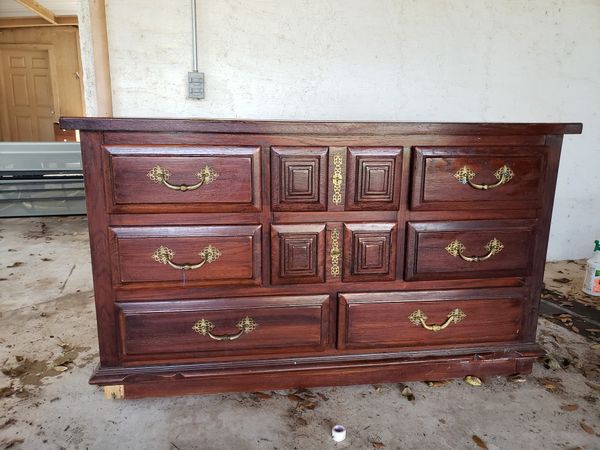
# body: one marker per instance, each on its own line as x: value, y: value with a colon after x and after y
x: 591, y: 284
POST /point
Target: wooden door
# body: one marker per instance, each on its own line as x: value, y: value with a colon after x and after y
x: 27, y: 89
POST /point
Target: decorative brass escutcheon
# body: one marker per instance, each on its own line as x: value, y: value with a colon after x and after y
x: 165, y: 255
x: 335, y: 253
x: 161, y: 175
x: 419, y: 318
x: 465, y: 175
x: 337, y: 178
x: 456, y: 249
x: 204, y: 327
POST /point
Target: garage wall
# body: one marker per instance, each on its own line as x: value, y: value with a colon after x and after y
x: 412, y: 60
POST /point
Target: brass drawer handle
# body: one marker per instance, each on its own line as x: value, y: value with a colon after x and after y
x: 204, y: 327
x: 161, y: 175
x: 456, y: 248
x: 419, y: 318
x: 164, y: 255
x: 504, y: 174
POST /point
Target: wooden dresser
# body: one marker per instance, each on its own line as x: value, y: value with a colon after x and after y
x: 242, y: 256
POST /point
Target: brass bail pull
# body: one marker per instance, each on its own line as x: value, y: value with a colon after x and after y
x: 164, y: 255
x: 419, y: 319
x: 161, y: 175
x: 205, y: 327
x: 456, y: 249
x: 465, y: 175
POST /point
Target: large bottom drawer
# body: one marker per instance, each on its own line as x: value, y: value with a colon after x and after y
x: 223, y: 327
x: 432, y: 318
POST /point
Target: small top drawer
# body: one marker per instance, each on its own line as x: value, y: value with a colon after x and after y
x: 478, y: 177
x: 469, y: 249
x: 183, y: 178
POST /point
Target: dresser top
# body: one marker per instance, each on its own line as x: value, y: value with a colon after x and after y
x: 315, y: 127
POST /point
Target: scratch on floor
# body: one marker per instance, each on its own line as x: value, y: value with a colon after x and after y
x: 62, y: 288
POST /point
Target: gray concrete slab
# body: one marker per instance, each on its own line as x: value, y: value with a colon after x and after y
x: 48, y: 351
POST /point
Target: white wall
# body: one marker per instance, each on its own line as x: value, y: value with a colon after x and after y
x: 406, y: 60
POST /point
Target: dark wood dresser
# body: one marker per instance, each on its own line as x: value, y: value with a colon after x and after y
x: 242, y: 256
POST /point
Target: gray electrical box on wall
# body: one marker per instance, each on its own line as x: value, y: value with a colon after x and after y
x: 196, y: 85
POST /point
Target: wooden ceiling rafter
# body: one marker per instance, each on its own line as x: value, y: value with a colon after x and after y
x: 44, y: 17
x: 22, y: 22
x: 40, y: 10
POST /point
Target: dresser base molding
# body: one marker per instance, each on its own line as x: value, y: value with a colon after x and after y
x: 157, y: 381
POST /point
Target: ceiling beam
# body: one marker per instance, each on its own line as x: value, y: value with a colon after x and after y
x: 23, y: 22
x: 40, y: 10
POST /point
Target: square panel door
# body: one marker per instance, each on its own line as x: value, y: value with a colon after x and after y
x: 373, y: 181
x: 299, y: 178
x: 370, y: 251
x: 298, y: 253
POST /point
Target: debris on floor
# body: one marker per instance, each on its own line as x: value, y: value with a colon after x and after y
x: 564, y: 303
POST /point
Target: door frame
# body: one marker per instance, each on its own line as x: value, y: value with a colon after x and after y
x: 4, y: 124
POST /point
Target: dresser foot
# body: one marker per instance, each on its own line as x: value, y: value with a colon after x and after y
x: 114, y: 392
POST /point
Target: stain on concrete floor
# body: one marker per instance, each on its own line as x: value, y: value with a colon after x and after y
x: 48, y: 351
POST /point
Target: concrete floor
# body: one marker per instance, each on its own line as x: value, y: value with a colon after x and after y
x: 48, y: 351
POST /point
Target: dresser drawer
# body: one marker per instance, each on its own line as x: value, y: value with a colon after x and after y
x: 221, y: 327
x: 186, y: 178
x: 207, y: 255
x: 469, y: 249
x: 478, y: 177
x: 410, y: 319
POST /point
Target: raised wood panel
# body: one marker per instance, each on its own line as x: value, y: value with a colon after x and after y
x: 298, y: 253
x: 164, y: 330
x: 235, y: 187
x: 299, y: 256
x: 299, y: 178
x: 382, y: 319
x: 133, y: 250
x: 369, y: 251
x: 435, y: 187
x: 428, y: 259
x: 373, y: 178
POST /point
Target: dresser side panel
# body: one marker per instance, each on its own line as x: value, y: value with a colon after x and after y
x: 530, y: 319
x: 91, y: 143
